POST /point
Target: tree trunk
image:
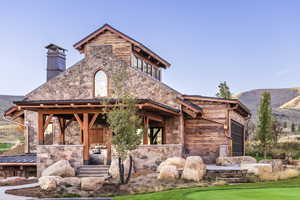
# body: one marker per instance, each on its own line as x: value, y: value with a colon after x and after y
x: 121, y: 170
x: 130, y: 169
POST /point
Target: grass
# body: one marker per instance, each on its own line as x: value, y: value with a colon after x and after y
x: 5, y: 146
x: 285, y: 189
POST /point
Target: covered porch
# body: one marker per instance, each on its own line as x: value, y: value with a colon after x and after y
x: 93, y: 132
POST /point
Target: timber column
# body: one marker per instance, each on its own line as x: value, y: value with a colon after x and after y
x: 86, y: 138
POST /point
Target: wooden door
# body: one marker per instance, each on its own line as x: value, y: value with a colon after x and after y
x: 96, y: 136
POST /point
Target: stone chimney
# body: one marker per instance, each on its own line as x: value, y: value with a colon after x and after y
x: 56, y: 60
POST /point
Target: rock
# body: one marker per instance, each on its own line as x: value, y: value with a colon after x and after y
x: 70, y: 181
x: 168, y: 173
x: 91, y: 183
x: 178, y: 162
x: 276, y: 164
x: 11, y: 180
x: 235, y: 160
x: 257, y: 168
x: 61, y: 168
x: 49, y: 183
x: 194, y: 169
x: 114, y: 168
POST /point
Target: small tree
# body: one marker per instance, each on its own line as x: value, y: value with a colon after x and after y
x: 124, y: 122
x: 264, y: 124
x: 224, y: 91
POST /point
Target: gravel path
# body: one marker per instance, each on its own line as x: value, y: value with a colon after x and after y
x: 4, y: 196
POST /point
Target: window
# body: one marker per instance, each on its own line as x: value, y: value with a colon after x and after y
x: 149, y: 69
x: 134, y: 61
x: 100, y: 84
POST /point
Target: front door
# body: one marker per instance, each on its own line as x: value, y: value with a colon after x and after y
x: 99, y: 146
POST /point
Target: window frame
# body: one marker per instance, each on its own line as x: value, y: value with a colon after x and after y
x: 94, y: 83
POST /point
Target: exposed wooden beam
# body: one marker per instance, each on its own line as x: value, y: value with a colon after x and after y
x: 146, y: 125
x: 86, y: 138
x: 93, y: 120
x: 62, y: 125
x: 78, y: 120
x: 48, y: 121
x: 189, y: 112
x: 40, y: 128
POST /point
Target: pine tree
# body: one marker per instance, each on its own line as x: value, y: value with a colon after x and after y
x: 224, y: 91
x: 264, y: 124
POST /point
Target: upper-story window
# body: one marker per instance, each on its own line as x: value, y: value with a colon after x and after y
x: 143, y: 66
x: 100, y: 84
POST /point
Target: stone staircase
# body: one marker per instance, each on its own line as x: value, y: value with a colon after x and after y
x: 228, y: 175
x: 93, y: 171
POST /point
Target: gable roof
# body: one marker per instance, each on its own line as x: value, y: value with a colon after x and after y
x: 106, y: 27
x: 221, y: 100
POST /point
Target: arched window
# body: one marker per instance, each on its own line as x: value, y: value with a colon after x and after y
x: 100, y: 84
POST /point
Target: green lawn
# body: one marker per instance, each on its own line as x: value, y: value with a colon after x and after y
x: 287, y: 190
x: 5, y: 146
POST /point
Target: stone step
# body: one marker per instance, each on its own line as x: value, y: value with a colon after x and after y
x: 233, y: 180
x: 93, y: 172
x: 95, y: 166
x: 92, y: 175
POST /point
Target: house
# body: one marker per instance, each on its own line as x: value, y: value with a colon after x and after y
x: 64, y: 117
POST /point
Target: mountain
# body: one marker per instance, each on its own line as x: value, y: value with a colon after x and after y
x: 285, y: 104
x: 6, y: 101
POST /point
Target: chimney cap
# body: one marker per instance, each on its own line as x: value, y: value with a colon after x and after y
x: 55, y: 47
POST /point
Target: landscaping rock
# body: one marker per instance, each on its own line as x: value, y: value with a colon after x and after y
x: 168, y: 173
x: 61, y: 168
x: 194, y: 169
x: 276, y: 164
x: 91, y: 183
x: 70, y: 181
x: 114, y: 168
x: 235, y: 160
x: 178, y: 162
x: 49, y: 183
x: 11, y: 180
x: 257, y: 168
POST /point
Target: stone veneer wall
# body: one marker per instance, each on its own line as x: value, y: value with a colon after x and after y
x: 150, y: 156
x: 49, y: 154
x: 77, y: 82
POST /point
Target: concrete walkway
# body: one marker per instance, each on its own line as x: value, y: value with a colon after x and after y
x: 4, y: 196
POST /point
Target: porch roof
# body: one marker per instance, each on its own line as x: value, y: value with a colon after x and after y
x: 24, y: 159
x: 145, y: 104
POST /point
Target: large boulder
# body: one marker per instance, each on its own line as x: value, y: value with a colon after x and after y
x: 276, y: 164
x: 92, y: 183
x: 114, y: 168
x: 60, y: 168
x: 257, y: 168
x: 235, y: 160
x: 194, y: 169
x: 168, y: 173
x: 49, y: 183
x: 178, y: 162
x: 70, y: 181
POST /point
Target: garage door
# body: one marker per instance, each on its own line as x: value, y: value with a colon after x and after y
x: 237, y: 135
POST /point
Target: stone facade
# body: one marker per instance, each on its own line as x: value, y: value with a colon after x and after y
x: 150, y: 156
x: 49, y: 154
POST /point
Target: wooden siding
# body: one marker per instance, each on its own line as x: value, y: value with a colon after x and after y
x: 120, y: 47
x: 203, y: 138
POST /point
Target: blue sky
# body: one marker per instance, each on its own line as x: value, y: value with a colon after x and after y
x: 249, y: 44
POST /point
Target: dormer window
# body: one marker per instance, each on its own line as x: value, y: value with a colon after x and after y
x: 100, y: 84
x: 141, y: 65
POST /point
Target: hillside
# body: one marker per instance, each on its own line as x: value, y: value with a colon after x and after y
x: 6, y: 101
x: 285, y: 103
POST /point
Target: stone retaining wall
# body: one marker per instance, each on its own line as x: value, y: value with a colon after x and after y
x: 150, y: 156
x: 49, y: 154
